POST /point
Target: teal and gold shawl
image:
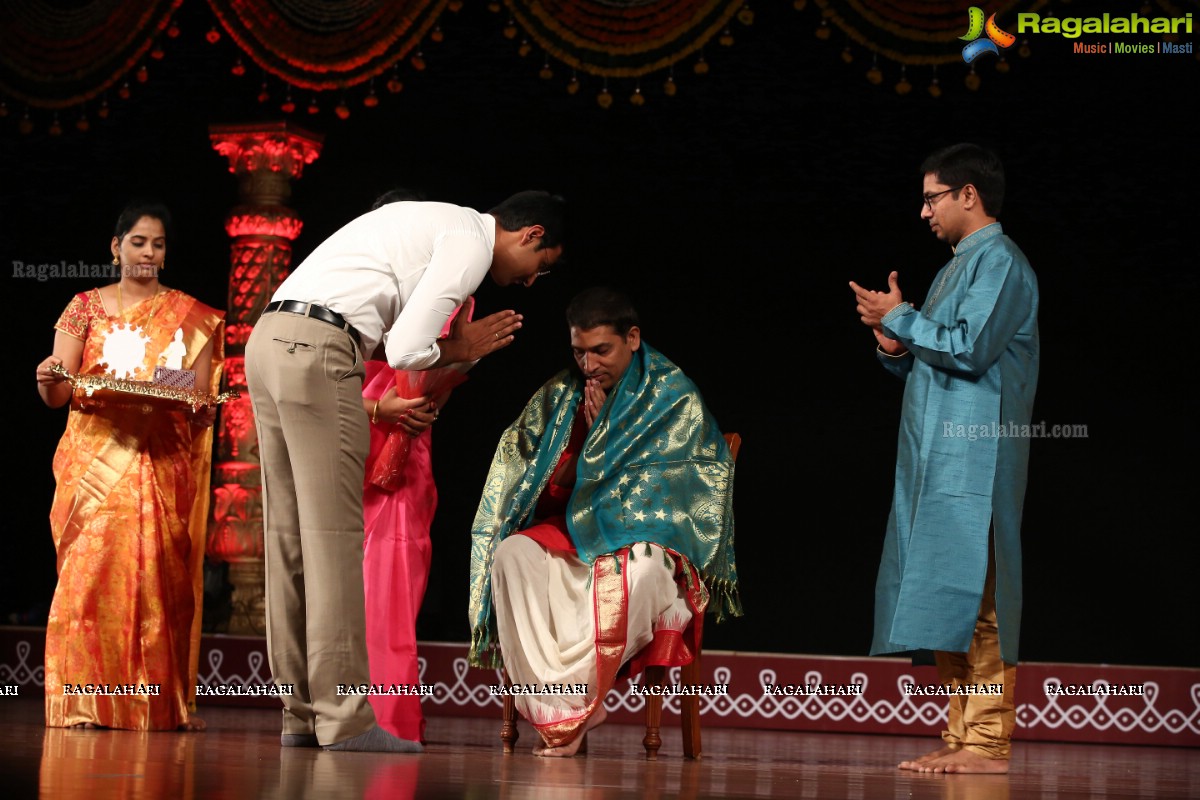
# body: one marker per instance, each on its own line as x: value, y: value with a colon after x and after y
x: 654, y: 468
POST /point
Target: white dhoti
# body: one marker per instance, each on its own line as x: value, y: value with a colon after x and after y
x: 549, y: 606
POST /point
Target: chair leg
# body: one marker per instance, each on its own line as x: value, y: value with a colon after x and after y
x: 689, y: 709
x: 652, y: 740
x: 508, y: 729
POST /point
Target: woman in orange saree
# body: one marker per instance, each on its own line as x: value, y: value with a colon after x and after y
x: 131, y: 503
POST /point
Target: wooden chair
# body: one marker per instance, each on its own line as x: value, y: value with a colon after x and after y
x: 689, y: 705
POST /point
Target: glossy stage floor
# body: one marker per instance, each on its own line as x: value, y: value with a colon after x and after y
x: 239, y: 757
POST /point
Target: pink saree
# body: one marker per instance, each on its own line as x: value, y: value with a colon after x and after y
x: 396, y: 557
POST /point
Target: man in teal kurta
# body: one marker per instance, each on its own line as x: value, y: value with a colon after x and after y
x: 950, y: 575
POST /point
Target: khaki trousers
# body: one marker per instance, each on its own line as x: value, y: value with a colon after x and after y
x: 305, y: 379
x: 981, y: 723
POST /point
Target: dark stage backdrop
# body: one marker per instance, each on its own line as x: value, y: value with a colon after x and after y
x: 734, y: 214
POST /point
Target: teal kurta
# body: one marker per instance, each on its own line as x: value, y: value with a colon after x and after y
x: 971, y: 372
x: 654, y: 468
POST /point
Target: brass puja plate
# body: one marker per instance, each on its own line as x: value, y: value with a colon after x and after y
x: 100, y: 390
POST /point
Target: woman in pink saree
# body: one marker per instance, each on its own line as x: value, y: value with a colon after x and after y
x: 399, y: 500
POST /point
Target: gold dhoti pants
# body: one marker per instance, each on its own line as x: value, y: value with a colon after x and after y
x: 981, y: 722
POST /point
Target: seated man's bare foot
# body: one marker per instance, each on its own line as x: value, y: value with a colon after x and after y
x: 86, y: 726
x: 572, y: 747
x: 194, y: 725
x: 915, y: 764
x: 965, y: 762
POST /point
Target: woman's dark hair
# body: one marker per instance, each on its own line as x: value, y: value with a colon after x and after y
x: 397, y: 195
x: 142, y: 208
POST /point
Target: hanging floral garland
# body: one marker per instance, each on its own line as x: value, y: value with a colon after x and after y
x: 58, y: 55
x: 915, y: 34
x: 320, y: 44
x: 621, y: 38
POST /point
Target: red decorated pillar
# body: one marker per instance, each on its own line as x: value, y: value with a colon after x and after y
x: 265, y: 157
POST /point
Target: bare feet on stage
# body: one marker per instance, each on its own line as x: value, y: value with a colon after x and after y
x: 572, y: 747
x: 193, y: 725
x: 917, y: 763
x: 960, y: 762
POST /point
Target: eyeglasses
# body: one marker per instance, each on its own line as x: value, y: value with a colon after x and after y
x: 930, y: 199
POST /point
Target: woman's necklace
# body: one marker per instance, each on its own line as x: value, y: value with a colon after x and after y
x: 153, y: 302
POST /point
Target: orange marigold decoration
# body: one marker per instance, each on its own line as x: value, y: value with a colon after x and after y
x: 915, y: 33
x: 55, y: 55
x: 323, y: 46
x: 622, y: 38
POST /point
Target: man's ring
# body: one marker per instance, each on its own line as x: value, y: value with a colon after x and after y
x: 496, y: 334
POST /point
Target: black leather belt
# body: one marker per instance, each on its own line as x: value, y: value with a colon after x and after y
x: 316, y: 312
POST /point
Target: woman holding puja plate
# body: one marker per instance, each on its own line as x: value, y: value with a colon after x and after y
x: 131, y: 503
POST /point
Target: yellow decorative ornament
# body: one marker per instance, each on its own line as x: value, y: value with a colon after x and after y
x: 847, y: 56
x: 799, y: 5
x: 1003, y: 66
x: 725, y: 39
x: 903, y: 87
x: 669, y: 87
x: 545, y: 73
x: 525, y: 49
x: 746, y: 16
x: 934, y: 89
x: 823, y: 32
x: 510, y: 31
x: 1023, y: 51
x: 604, y: 99
x: 637, y: 98
x: 700, y: 67
x: 972, y: 81
x: 573, y: 85
x: 875, y: 75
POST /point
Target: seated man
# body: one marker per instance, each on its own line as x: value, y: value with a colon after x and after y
x: 605, y: 522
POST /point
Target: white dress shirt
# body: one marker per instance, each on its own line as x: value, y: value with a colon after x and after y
x: 421, y: 258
